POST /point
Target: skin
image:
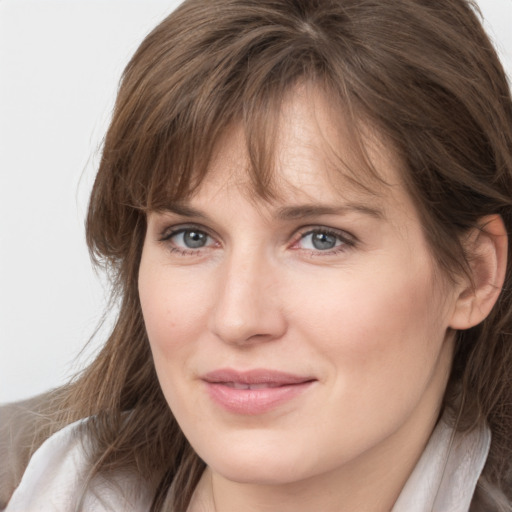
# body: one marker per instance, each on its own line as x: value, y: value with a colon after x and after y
x: 369, y: 319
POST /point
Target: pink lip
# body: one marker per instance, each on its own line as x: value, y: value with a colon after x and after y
x: 255, y: 391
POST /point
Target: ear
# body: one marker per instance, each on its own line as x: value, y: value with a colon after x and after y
x: 486, y: 246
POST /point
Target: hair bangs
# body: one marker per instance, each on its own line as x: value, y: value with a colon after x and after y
x: 172, y: 110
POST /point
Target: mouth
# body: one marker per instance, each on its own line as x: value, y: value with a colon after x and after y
x: 254, y: 392
x: 240, y: 385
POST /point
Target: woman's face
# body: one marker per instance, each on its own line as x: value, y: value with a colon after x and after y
x: 301, y: 336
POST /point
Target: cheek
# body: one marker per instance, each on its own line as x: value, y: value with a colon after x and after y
x: 383, y: 344
x: 173, y: 307
x: 173, y: 311
x: 380, y: 329
x: 370, y: 303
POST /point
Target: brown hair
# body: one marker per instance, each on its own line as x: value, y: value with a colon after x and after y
x: 423, y: 72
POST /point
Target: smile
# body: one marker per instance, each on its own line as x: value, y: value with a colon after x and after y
x: 239, y: 385
x: 254, y: 392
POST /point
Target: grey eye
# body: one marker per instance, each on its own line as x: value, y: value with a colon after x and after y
x: 193, y: 239
x: 189, y: 238
x: 323, y: 241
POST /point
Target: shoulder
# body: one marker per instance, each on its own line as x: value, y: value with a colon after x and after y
x: 19, y: 423
x: 53, y: 473
x: 58, y: 478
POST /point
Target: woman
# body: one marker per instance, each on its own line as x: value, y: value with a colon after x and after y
x: 304, y: 206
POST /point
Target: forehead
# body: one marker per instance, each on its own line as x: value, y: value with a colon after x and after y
x: 316, y: 156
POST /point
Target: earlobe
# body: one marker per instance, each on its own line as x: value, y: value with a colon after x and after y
x: 486, y: 246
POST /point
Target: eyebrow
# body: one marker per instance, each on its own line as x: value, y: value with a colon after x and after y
x: 289, y: 212
x: 184, y: 210
x: 316, y: 210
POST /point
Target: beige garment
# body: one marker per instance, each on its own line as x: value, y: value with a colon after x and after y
x: 57, y: 480
x: 18, y: 423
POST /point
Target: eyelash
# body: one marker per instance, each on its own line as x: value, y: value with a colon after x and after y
x: 346, y: 240
x: 167, y: 237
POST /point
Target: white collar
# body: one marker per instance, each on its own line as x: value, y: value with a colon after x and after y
x: 446, y: 475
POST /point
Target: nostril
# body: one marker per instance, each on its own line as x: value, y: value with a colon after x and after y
x: 241, y: 324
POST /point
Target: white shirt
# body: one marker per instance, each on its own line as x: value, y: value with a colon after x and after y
x: 443, y: 480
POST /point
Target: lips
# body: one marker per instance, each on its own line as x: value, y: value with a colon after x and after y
x: 254, y: 392
x: 240, y: 385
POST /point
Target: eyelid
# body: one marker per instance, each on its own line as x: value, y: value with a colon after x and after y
x: 169, y: 232
x: 348, y: 239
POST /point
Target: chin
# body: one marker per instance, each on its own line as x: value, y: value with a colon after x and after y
x: 258, y: 460
x: 262, y: 472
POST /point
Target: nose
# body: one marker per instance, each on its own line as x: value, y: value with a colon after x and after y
x: 247, y: 309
